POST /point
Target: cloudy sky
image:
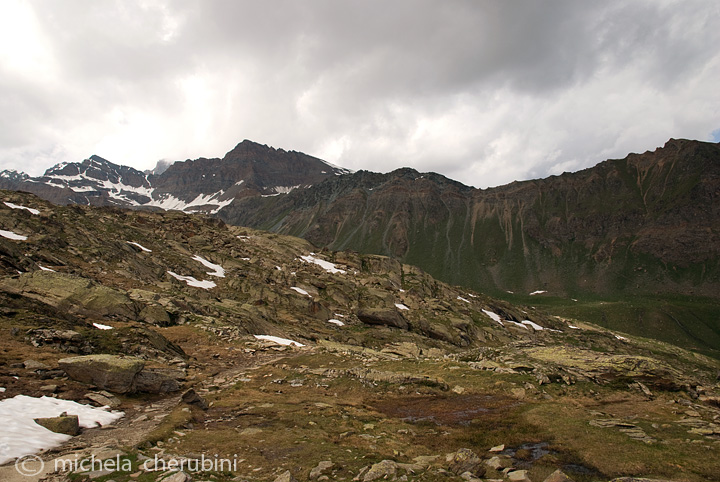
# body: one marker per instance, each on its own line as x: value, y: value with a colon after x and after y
x: 485, y: 92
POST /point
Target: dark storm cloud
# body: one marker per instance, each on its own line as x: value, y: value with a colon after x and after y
x: 482, y: 91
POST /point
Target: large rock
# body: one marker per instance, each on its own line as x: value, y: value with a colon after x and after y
x: 72, y: 293
x: 66, y: 424
x: 382, y: 316
x: 157, y: 380
x: 109, y: 372
x: 465, y: 460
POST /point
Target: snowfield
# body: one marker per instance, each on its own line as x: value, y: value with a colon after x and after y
x: 22, y: 436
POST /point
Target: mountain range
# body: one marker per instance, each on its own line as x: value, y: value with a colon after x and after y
x: 626, y: 230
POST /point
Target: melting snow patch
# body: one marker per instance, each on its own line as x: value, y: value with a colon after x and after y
x: 11, y: 235
x: 535, y: 326
x: 17, y: 206
x: 140, y: 246
x: 300, y: 290
x: 193, y: 282
x: 539, y: 292
x: 22, y: 436
x: 400, y: 306
x: 43, y: 268
x: 516, y: 324
x: 494, y: 316
x: 279, y: 341
x: 2, y: 389
x: 621, y: 338
x: 326, y: 265
x: 102, y: 327
x: 336, y: 322
x: 463, y: 299
x: 217, y: 269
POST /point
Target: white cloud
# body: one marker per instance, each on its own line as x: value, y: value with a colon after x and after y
x: 484, y: 92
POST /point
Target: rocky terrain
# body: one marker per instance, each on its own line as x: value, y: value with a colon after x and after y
x: 631, y: 244
x: 300, y: 363
x: 200, y: 185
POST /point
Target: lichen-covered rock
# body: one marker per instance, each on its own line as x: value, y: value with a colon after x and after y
x: 72, y: 293
x: 381, y: 470
x: 465, y: 460
x: 113, y: 373
x: 66, y: 424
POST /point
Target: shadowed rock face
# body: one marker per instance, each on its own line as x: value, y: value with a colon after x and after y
x: 649, y: 222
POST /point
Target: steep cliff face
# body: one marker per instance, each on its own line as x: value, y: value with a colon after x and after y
x: 649, y: 222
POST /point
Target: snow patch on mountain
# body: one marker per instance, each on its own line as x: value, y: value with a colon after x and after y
x: 326, y: 265
x: 12, y: 235
x: 17, y: 206
x: 217, y: 270
x: 206, y: 285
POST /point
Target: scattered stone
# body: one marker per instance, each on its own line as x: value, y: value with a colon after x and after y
x: 518, y: 476
x: 381, y: 470
x: 320, y: 469
x: 645, y: 390
x: 558, y: 476
x: 178, y: 477
x: 465, y: 460
x: 158, y: 380
x: 497, y: 449
x: 191, y: 397
x: 285, y: 477
x: 49, y: 388
x: 103, y: 399
x: 67, y: 424
x: 34, y: 365
x: 425, y: 460
x: 518, y: 393
x: 499, y: 462
x: 458, y: 389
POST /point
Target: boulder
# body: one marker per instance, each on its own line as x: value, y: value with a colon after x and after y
x: 67, y: 424
x: 382, y: 316
x: 465, y: 460
x: 109, y: 372
x: 382, y: 470
x: 157, y: 380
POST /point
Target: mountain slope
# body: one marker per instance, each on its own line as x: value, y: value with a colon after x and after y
x: 648, y: 222
x: 399, y: 376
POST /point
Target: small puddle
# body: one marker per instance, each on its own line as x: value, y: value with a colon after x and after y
x: 444, y: 410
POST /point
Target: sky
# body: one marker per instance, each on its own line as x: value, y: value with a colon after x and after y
x: 484, y: 92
